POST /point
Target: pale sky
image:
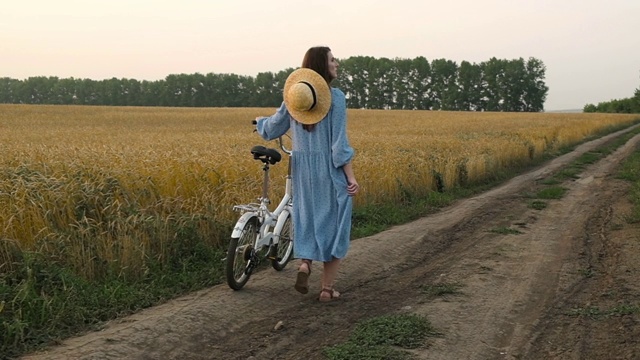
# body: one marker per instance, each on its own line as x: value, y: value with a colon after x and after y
x: 591, y: 48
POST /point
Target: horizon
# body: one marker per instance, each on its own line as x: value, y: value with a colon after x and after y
x: 590, y: 54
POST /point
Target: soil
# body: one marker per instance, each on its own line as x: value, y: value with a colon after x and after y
x: 565, y: 287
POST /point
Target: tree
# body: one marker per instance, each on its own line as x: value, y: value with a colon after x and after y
x: 469, y: 87
x: 8, y: 88
x: 354, y: 80
x: 444, y: 89
x: 37, y: 90
x: 589, y: 108
x: 535, y: 90
x: 491, y: 87
x: 420, y: 80
x: 636, y: 101
x: 266, y: 94
x: 495, y: 85
x: 380, y: 84
x: 404, y: 96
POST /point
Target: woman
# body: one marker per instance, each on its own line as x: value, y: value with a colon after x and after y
x: 322, y: 173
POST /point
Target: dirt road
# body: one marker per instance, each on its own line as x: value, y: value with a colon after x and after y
x: 562, y: 288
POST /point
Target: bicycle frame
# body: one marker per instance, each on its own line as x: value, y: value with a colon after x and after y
x: 266, y: 219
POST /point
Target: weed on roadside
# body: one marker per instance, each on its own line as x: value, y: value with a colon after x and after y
x: 537, y: 204
x: 384, y: 337
x: 505, y: 231
x: 552, y: 192
x: 630, y: 171
x: 443, y: 289
x: 594, y: 312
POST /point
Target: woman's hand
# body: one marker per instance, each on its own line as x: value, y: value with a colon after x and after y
x: 352, y: 187
x: 352, y: 183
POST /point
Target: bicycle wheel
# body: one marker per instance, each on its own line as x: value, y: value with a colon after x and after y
x: 284, y: 248
x: 239, y: 253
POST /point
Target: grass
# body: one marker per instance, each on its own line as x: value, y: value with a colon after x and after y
x: 595, y: 312
x: 44, y: 301
x: 371, y: 219
x: 383, y: 337
x: 505, y: 231
x: 551, y: 193
x: 442, y: 289
x: 537, y: 204
x: 588, y: 272
x: 630, y: 171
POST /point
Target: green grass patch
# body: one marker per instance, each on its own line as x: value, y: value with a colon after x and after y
x: 595, y: 312
x: 43, y: 301
x: 630, y: 171
x: 383, y: 338
x: 537, y: 204
x: 588, y: 272
x: 374, y: 218
x: 443, y: 289
x: 571, y: 172
x: 577, y: 166
x: 551, y: 181
x: 590, y: 157
x: 505, y: 231
x: 552, y: 192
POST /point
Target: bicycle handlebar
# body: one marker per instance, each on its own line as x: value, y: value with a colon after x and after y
x: 287, y: 151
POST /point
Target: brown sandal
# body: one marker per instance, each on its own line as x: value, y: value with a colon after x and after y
x: 302, y: 280
x: 333, y: 295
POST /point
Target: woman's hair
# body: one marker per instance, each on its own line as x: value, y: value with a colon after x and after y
x: 317, y: 59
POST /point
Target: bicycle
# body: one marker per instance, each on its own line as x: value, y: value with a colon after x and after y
x: 260, y: 233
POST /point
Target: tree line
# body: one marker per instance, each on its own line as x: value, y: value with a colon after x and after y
x: 629, y: 105
x: 368, y: 83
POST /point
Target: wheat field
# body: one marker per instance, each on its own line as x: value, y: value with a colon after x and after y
x: 104, y: 188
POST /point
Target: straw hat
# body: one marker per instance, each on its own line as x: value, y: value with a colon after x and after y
x: 307, y: 96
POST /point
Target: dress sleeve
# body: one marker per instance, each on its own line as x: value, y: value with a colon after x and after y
x: 341, y: 150
x: 276, y: 125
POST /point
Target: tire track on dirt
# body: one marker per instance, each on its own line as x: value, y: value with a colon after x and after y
x: 608, y: 254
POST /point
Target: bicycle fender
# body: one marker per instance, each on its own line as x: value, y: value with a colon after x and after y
x: 244, y: 219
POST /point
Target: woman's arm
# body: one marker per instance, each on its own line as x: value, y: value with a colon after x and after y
x: 274, y: 126
x: 352, y: 187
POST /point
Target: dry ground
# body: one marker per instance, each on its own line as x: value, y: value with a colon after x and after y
x: 557, y: 290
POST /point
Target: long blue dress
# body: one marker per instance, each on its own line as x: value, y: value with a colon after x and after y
x: 321, y: 205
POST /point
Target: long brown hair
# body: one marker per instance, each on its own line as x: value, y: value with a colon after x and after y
x: 317, y: 59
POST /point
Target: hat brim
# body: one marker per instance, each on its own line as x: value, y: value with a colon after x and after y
x: 323, y: 96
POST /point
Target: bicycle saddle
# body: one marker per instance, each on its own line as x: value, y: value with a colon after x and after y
x: 265, y: 155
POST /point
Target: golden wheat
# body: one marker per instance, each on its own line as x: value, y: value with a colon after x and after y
x: 108, y: 187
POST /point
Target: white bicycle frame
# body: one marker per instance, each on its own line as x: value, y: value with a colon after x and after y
x: 266, y: 237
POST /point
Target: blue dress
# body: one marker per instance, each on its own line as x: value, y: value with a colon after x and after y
x: 321, y: 205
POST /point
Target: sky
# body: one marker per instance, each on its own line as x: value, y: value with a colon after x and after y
x: 591, y: 48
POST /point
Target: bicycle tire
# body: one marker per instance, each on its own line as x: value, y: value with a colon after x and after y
x: 284, y: 250
x: 239, y: 248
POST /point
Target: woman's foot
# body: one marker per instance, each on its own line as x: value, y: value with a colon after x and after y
x: 327, y: 295
x: 302, y: 280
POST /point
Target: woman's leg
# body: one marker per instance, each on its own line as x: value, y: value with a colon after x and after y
x: 302, y: 279
x: 328, y: 279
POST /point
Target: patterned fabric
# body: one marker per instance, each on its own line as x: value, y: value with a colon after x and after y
x: 321, y: 206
